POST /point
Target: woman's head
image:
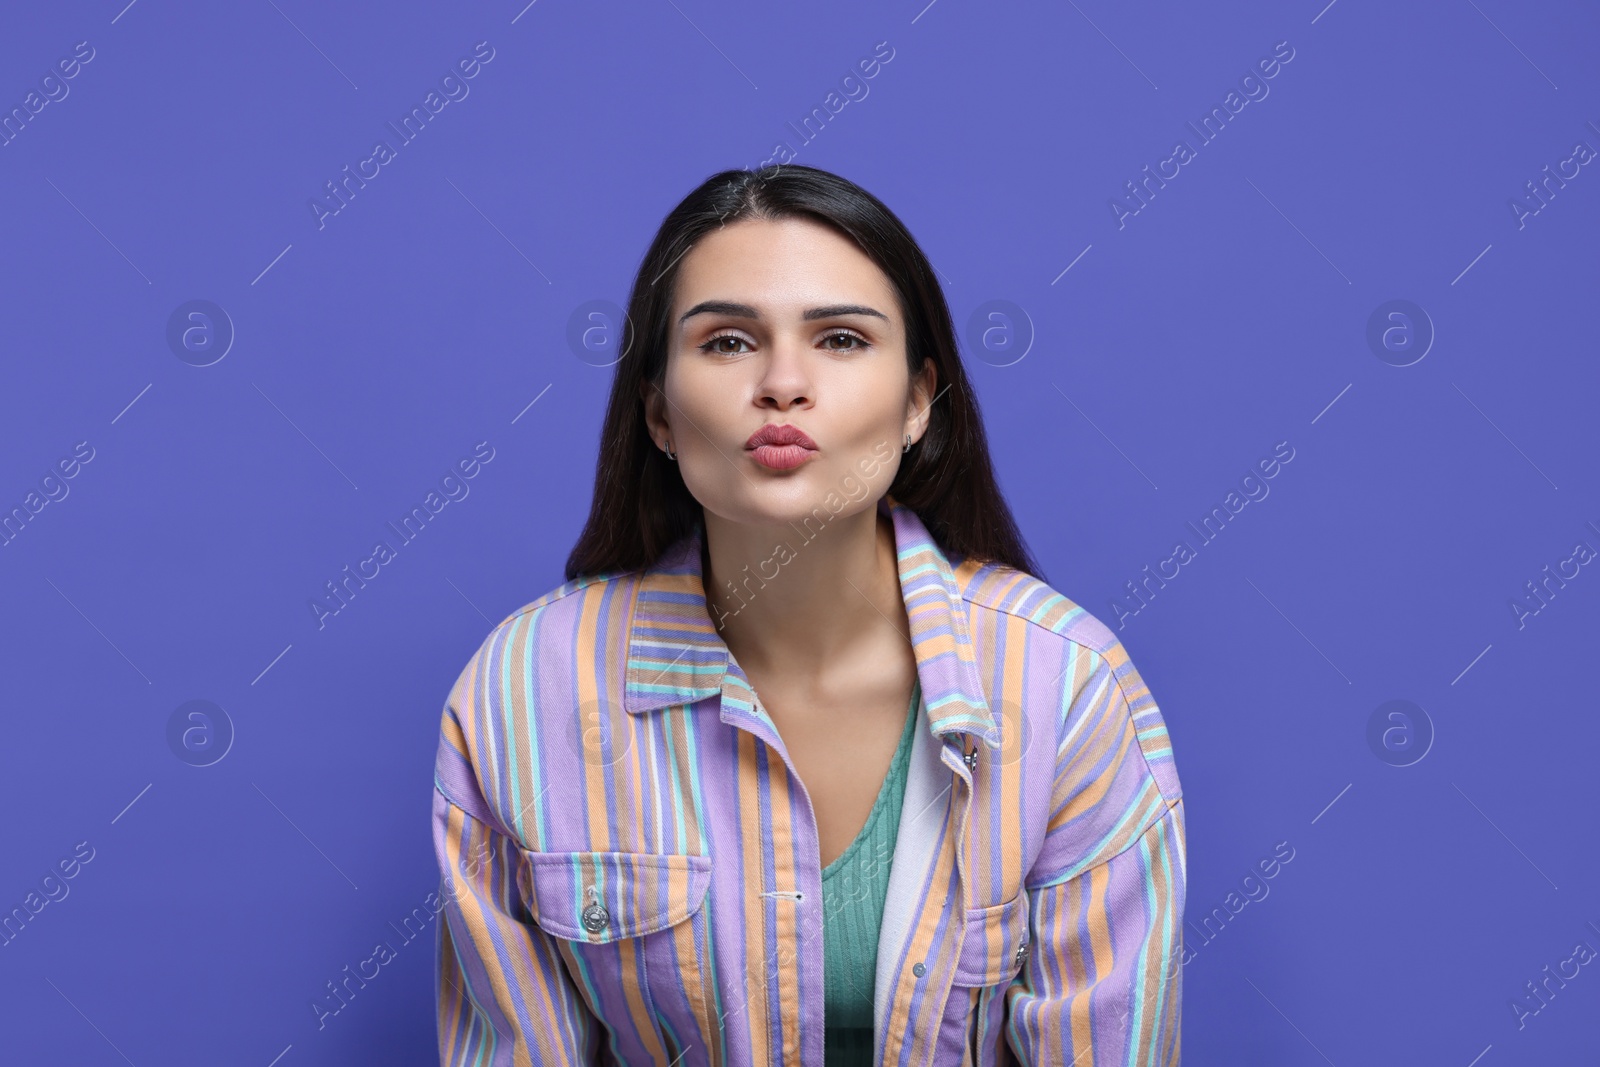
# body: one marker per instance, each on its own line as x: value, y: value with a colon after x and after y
x: 788, y: 296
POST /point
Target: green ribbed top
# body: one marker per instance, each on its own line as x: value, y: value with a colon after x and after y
x: 854, y: 887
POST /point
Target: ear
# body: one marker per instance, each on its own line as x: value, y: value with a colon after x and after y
x: 655, y: 420
x: 919, y: 406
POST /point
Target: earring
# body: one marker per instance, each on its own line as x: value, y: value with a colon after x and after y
x: 908, y: 445
x: 670, y: 453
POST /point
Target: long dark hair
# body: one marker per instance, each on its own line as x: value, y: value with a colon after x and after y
x: 641, y: 506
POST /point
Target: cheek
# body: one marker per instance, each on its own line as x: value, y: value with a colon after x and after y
x: 869, y: 409
x: 701, y: 403
x: 866, y: 426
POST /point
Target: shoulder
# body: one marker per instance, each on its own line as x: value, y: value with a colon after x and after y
x: 563, y: 597
x: 995, y: 587
x: 530, y: 657
x: 562, y: 605
x: 558, y: 619
x: 1091, y: 663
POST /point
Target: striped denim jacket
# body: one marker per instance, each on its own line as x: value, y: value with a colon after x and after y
x: 631, y: 871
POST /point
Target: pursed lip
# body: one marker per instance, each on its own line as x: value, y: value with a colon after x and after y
x: 780, y: 434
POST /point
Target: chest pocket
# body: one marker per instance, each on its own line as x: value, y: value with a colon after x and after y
x: 617, y: 917
x: 995, y: 944
x: 601, y: 897
x: 994, y: 949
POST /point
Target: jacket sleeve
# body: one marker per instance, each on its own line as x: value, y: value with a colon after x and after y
x: 504, y: 995
x: 1103, y: 981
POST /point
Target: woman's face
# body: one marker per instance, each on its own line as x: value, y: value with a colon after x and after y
x: 785, y: 323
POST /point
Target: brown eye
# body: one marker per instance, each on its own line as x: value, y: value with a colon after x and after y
x: 855, y: 339
x: 715, y: 344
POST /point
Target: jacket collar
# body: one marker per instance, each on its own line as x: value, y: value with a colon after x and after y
x: 675, y: 655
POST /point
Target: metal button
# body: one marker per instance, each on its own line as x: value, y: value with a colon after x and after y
x: 595, y: 918
x: 918, y: 969
x: 1022, y: 953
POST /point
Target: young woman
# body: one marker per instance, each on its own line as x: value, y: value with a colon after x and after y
x: 803, y: 761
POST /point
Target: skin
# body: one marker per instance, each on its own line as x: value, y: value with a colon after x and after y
x: 826, y: 643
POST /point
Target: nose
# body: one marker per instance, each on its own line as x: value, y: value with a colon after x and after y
x: 786, y: 380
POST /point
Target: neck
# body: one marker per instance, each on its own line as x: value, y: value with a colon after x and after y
x: 777, y: 597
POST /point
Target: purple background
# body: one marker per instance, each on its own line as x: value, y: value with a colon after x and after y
x: 1230, y: 313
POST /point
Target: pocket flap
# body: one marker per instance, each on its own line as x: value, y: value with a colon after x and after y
x: 995, y: 944
x: 598, y: 897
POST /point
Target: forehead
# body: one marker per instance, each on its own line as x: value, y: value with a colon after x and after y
x: 782, y: 265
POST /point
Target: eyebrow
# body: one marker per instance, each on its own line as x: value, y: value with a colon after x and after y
x: 745, y: 311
